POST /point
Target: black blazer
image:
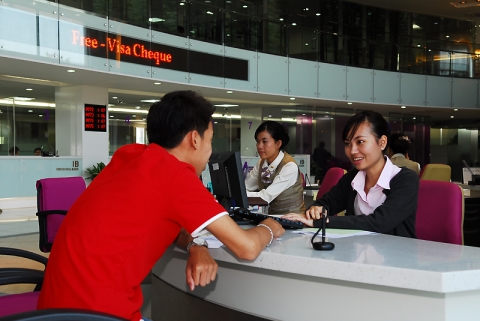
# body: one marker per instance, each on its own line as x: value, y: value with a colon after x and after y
x: 396, y: 216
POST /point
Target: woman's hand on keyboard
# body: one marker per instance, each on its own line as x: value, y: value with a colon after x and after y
x: 299, y: 218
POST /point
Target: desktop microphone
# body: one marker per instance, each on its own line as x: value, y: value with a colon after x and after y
x: 322, y: 246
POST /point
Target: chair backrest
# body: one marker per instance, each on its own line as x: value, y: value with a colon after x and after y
x: 331, y: 179
x: 54, y: 198
x: 436, y: 172
x: 440, y: 212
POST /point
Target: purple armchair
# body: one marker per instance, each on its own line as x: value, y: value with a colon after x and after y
x: 54, y: 198
x: 331, y: 179
x: 440, y: 212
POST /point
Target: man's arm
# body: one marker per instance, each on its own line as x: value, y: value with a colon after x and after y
x: 245, y: 244
x: 201, y: 267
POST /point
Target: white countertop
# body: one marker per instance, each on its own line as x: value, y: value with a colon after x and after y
x: 373, y: 259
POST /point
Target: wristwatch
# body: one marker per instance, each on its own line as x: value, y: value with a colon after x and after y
x: 197, y: 241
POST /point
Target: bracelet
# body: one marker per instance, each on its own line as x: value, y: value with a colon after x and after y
x: 271, y: 233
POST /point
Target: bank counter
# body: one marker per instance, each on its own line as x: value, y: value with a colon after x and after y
x: 369, y: 277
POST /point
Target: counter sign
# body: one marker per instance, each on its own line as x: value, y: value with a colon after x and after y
x: 95, y: 118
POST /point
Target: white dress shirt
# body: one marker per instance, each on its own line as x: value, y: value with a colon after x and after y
x: 286, y: 178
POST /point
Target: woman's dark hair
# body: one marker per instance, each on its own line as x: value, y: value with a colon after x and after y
x: 276, y: 130
x: 399, y: 143
x: 378, y: 124
x: 178, y: 113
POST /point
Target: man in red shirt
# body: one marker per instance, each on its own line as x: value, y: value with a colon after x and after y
x: 146, y: 198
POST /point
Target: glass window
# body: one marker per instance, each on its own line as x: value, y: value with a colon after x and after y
x: 126, y: 128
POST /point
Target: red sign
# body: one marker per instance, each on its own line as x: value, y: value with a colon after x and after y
x: 115, y: 45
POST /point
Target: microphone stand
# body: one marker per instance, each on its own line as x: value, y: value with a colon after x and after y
x: 322, y: 246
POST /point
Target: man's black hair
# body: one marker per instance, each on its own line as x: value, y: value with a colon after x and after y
x: 176, y: 114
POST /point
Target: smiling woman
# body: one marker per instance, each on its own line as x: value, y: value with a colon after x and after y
x: 377, y: 195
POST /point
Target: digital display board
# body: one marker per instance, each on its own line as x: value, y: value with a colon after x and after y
x: 95, y: 118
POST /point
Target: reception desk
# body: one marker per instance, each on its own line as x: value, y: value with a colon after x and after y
x: 370, y: 277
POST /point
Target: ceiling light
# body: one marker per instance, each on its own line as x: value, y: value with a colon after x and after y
x: 26, y: 103
x: 156, y: 19
x: 269, y: 116
x: 111, y: 116
x: 292, y: 98
x: 29, y: 89
x: 303, y: 114
x: 229, y: 92
x: 30, y: 111
x: 245, y: 6
x: 349, y: 103
x: 226, y: 105
x: 209, y: 12
x: 452, y: 116
x: 419, y: 45
x: 182, y: 4
x: 414, y: 118
x: 415, y: 26
x: 129, y: 111
x: 70, y: 70
x: 306, y: 9
x: 318, y: 14
x: 447, y: 36
x: 149, y: 100
x: 463, y: 2
x: 115, y: 97
x: 403, y: 107
x: 40, y: 115
x: 137, y: 107
x: 157, y: 83
x: 110, y: 105
x: 226, y: 116
x: 456, y: 109
x: 281, y: 19
x: 21, y: 98
x: 306, y: 44
x: 294, y: 24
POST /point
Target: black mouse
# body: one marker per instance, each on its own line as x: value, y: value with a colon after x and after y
x: 240, y: 210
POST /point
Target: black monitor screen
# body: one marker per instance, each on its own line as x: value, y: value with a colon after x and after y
x: 227, y: 179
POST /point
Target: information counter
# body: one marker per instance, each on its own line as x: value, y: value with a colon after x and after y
x: 370, y: 277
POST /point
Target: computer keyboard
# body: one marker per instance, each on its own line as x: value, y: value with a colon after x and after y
x: 258, y: 217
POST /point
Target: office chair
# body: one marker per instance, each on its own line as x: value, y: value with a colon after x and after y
x: 436, y: 172
x: 54, y: 198
x: 21, y: 302
x: 440, y: 212
x: 62, y: 315
x: 331, y: 179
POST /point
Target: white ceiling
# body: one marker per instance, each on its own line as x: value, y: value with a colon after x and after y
x: 131, y: 90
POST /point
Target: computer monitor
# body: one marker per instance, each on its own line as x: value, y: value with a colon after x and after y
x: 227, y: 179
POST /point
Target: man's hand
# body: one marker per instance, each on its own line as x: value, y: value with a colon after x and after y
x: 201, y: 267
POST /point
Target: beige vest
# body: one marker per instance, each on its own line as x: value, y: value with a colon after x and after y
x: 403, y: 162
x: 291, y: 199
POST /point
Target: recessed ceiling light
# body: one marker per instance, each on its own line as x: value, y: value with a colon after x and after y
x: 111, y: 116
x: 463, y: 2
x: 156, y: 19
x: 70, y: 70
x: 318, y: 14
x: 209, y: 12
x: 137, y: 107
x: 306, y: 44
x: 292, y: 98
x: 456, y: 109
x: 134, y: 115
x: 149, y: 100
x: 182, y: 4
x: 269, y: 116
x: 303, y: 114
x: 215, y: 122
x: 226, y: 105
x: 403, y: 107
x: 21, y: 98
x: 40, y: 115
x: 447, y: 36
x: 115, y: 97
x: 30, y: 111
x: 110, y: 105
x: 281, y: 19
x: 452, y: 116
x: 29, y: 89
x: 294, y: 24
x: 414, y: 118
x: 349, y: 103
x: 229, y: 92
x: 245, y: 6
x: 157, y: 83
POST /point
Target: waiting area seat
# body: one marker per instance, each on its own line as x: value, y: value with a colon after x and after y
x: 436, y: 172
x: 440, y: 212
x: 331, y: 179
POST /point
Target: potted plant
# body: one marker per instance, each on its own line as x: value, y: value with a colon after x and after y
x: 95, y: 170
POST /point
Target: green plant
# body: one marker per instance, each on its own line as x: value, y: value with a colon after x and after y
x: 95, y: 170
